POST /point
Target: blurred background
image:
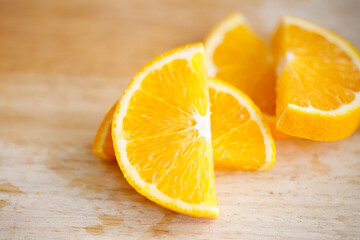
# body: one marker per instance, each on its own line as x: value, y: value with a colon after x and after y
x: 64, y: 62
x: 113, y: 38
x: 91, y: 49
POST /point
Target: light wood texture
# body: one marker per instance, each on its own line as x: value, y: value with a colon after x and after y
x: 63, y: 63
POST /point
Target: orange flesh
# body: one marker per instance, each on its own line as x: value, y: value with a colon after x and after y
x: 108, y: 145
x: 321, y: 74
x: 237, y: 140
x: 238, y: 143
x: 162, y: 143
x: 245, y: 61
x: 103, y: 145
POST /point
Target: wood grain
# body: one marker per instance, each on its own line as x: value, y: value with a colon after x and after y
x: 63, y: 63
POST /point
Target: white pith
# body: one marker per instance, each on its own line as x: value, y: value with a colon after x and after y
x: 203, y: 125
x: 289, y: 56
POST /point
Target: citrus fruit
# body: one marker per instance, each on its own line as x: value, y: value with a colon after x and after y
x: 276, y: 134
x: 236, y: 54
x: 318, y: 84
x: 103, y: 145
x: 241, y: 138
x: 161, y: 133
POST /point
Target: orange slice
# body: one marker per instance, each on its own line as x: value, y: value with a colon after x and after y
x: 103, y: 145
x: 271, y: 121
x: 241, y: 138
x: 236, y: 54
x: 161, y: 133
x: 319, y: 82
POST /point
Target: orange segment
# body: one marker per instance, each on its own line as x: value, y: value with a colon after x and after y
x: 140, y: 116
x: 236, y: 54
x: 170, y: 167
x: 319, y: 82
x: 277, y: 135
x: 103, y: 145
x: 176, y: 77
x: 241, y: 139
x: 161, y: 133
x: 240, y: 136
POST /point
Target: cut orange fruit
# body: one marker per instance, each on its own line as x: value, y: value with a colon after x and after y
x: 271, y: 121
x: 319, y: 82
x: 161, y: 133
x: 235, y: 54
x: 241, y: 138
x: 103, y: 145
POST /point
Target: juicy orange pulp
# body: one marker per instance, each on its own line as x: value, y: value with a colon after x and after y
x: 317, y: 74
x: 237, y: 55
x: 161, y: 133
x: 245, y: 61
x: 241, y: 139
x: 320, y: 73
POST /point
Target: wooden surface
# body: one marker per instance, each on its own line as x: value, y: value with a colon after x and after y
x: 63, y: 63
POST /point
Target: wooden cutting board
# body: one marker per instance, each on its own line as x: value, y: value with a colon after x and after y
x: 63, y: 63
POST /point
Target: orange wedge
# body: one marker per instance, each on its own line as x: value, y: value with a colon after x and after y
x: 103, y: 145
x: 271, y: 121
x: 319, y: 82
x: 236, y: 54
x: 241, y: 138
x: 161, y: 133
